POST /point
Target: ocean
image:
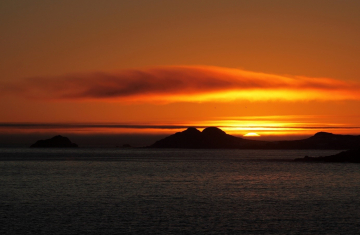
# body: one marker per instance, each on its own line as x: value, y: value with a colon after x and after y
x: 176, y: 191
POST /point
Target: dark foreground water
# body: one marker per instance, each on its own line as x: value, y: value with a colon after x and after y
x: 137, y: 191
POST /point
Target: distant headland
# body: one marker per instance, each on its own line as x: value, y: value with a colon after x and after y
x: 215, y: 138
x: 55, y: 142
x: 352, y: 155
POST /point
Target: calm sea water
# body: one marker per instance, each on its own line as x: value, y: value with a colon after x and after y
x: 139, y: 191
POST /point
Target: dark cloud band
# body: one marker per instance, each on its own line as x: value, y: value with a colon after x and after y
x: 182, y: 83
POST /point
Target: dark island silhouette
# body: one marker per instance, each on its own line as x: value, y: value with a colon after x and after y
x: 215, y: 138
x: 209, y: 138
x: 352, y: 156
x: 55, y: 142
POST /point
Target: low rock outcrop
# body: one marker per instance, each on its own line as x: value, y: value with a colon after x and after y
x: 352, y: 155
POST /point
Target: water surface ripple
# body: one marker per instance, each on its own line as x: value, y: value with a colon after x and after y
x: 139, y: 191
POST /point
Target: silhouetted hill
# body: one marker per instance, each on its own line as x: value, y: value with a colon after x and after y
x: 352, y: 155
x: 55, y: 142
x: 214, y: 138
x: 322, y: 140
x: 209, y: 138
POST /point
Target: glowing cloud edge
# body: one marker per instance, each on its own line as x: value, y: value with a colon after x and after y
x: 169, y: 84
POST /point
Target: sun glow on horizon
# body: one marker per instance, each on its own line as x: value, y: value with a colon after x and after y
x: 283, y: 125
x: 252, y: 134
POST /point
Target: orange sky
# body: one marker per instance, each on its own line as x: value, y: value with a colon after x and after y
x: 270, y: 67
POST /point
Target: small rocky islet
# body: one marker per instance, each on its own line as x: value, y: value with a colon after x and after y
x: 54, y: 142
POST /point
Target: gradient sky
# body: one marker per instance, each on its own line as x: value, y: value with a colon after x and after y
x: 275, y: 67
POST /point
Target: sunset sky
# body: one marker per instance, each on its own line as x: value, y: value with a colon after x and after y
x: 276, y: 68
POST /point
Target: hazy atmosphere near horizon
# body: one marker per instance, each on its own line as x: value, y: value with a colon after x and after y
x: 115, y: 72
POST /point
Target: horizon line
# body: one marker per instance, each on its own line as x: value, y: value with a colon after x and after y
x: 62, y: 125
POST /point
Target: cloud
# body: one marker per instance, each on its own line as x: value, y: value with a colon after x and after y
x: 239, y: 125
x: 182, y: 83
x: 24, y: 126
